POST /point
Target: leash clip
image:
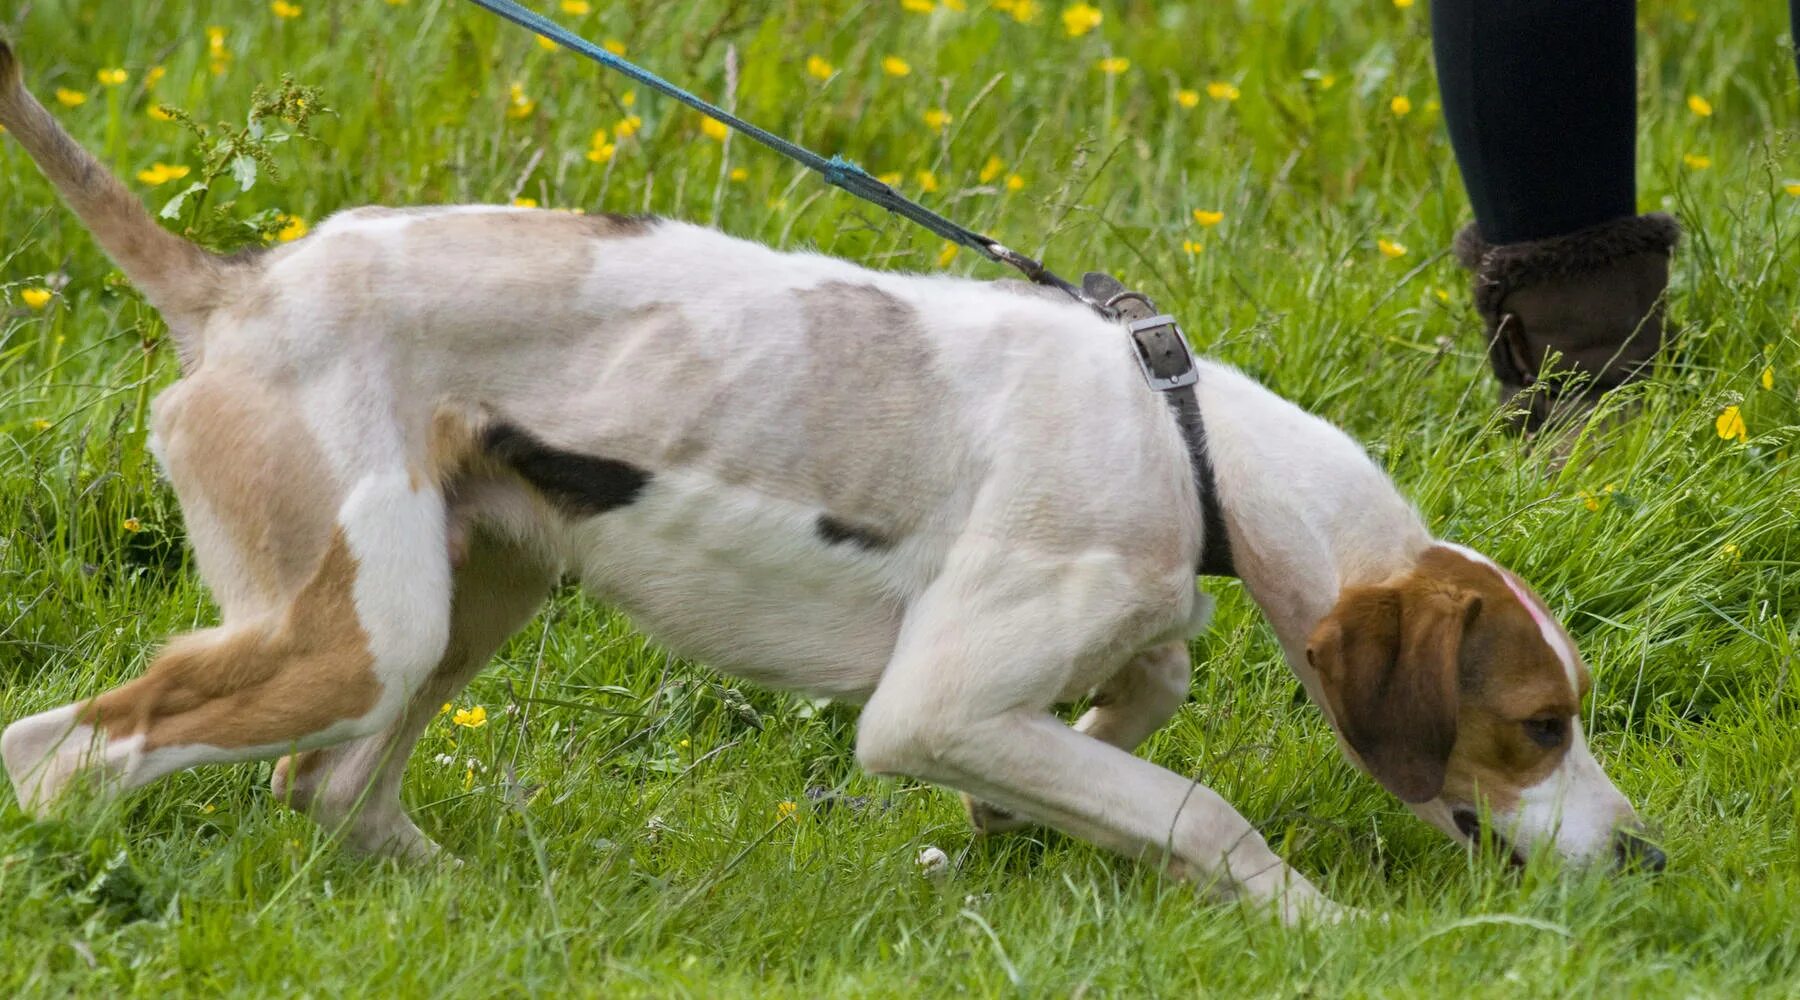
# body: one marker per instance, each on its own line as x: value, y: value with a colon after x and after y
x: 1163, y: 353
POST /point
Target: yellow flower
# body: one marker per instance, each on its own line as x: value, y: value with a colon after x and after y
x: 1696, y: 161
x: 683, y: 744
x: 1187, y: 98
x: 628, y: 98
x: 936, y: 119
x: 1401, y: 106
x: 1022, y: 11
x: 738, y: 175
x: 956, y: 5
x: 472, y: 718
x: 627, y: 127
x: 1700, y: 105
x: 927, y: 181
x: 292, y: 228
x: 947, y: 254
x: 1113, y: 65
x: 1081, y: 18
x: 546, y: 44
x: 1208, y: 218
x: 991, y: 169
x: 576, y: 8
x: 714, y: 129
x: 156, y: 111
x: 396, y: 3
x: 518, y: 106
x: 1389, y: 248
x: 785, y: 810
x: 818, y: 68
x: 1730, y: 552
x: 445, y: 710
x: 1190, y: 247
x: 215, y: 39
x: 1791, y: 187
x: 1590, y: 501
x: 112, y: 77
x: 1442, y: 296
x: 1768, y: 377
x: 35, y: 298
x: 154, y: 75
x: 161, y: 173
x: 895, y: 66
x: 40, y: 424
x: 132, y: 525
x: 1219, y: 90
x: 1403, y: 4
x: 918, y: 6
x: 602, y: 150
x: 614, y: 46
x: 890, y: 178
x: 1014, y: 182
x: 525, y: 203
x: 284, y: 10
x: 1731, y: 425
x: 70, y: 98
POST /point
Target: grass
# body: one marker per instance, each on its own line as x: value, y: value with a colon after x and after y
x: 621, y: 812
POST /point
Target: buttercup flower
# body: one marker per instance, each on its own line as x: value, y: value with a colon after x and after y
x: 1791, y: 187
x: 35, y: 298
x: 628, y: 127
x: 525, y: 203
x: 738, y: 175
x: 1699, y: 105
x: 1113, y: 65
x: 284, y: 10
x: 1403, y: 4
x: 784, y: 810
x: 818, y: 68
x: 928, y: 181
x: 1401, y: 106
x: 1022, y: 11
x: 614, y: 46
x: 1731, y: 425
x: 895, y: 66
x: 154, y: 75
x: 161, y: 173
x: 1014, y: 182
x: 1187, y: 98
x: 112, y: 77
x: 947, y: 254
x: 918, y: 6
x: 991, y: 169
x: 1389, y: 248
x: 576, y: 8
x: 70, y: 98
x: 292, y: 228
x: 714, y: 129
x: 1190, y: 247
x: 1730, y: 552
x: 1208, y: 218
x: 470, y: 718
x: 602, y: 149
x: 132, y: 525
x: 544, y: 43
x: 1220, y: 90
x: 518, y: 106
x: 40, y: 424
x: 1696, y: 161
x: 1768, y: 377
x: 1080, y: 19
x: 936, y: 119
x: 890, y: 178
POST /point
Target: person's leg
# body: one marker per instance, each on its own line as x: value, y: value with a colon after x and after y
x: 1540, y: 97
x: 1541, y: 105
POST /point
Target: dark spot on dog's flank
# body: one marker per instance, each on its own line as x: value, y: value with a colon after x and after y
x: 836, y: 532
x: 582, y: 484
x: 614, y: 224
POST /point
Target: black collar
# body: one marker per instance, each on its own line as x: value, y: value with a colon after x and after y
x: 1215, y: 543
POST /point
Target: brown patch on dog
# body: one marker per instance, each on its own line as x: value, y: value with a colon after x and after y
x: 876, y: 448
x: 237, y: 447
x: 255, y: 685
x: 1432, y: 680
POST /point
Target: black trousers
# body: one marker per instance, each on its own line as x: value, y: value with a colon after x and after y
x: 1540, y: 97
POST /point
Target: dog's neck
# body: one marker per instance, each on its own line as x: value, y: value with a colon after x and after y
x: 1308, y: 512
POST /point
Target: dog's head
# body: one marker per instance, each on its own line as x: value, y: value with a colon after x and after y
x: 1456, y: 689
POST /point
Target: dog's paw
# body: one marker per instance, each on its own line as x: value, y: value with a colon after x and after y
x: 990, y: 819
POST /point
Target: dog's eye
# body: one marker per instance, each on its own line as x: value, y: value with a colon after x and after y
x: 1548, y: 733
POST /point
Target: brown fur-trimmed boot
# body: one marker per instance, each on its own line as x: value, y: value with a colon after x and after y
x: 1593, y: 297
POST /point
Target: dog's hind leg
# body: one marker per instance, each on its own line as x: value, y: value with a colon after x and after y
x: 339, y: 659
x: 1132, y: 704
x: 355, y: 787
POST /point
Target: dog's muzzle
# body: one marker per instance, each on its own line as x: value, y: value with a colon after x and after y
x: 1630, y: 850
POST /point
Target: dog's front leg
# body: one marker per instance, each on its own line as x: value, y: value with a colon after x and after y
x: 1132, y: 704
x: 965, y: 703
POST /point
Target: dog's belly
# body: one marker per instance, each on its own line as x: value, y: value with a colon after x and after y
x: 748, y: 584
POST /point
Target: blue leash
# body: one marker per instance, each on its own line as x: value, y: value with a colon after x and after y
x: 837, y: 171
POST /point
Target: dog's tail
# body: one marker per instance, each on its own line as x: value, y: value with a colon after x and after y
x: 178, y: 277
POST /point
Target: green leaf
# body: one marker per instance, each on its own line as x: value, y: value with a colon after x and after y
x: 172, y: 207
x: 243, y: 170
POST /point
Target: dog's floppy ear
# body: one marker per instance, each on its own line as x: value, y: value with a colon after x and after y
x: 1387, y: 658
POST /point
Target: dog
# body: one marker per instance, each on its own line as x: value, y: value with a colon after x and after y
x: 957, y: 503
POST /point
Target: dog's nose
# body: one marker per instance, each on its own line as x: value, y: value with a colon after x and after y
x: 1633, y: 851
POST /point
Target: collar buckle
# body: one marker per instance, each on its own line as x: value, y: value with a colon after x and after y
x: 1163, y: 353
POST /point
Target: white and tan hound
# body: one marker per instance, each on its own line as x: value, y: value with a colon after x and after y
x: 953, y: 501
